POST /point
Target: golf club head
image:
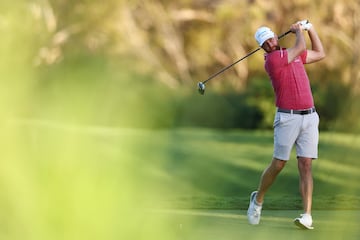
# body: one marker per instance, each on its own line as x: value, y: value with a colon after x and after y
x: 201, y: 88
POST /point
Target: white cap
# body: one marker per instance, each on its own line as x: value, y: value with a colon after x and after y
x: 263, y: 34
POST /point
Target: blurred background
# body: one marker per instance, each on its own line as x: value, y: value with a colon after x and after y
x: 140, y: 61
x: 82, y: 82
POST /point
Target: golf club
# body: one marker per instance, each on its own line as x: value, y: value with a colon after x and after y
x: 201, y: 85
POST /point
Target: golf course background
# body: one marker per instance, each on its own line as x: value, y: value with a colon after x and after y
x: 97, y: 145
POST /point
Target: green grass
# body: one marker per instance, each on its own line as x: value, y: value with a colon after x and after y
x: 63, y: 181
x: 200, y: 168
x: 232, y: 224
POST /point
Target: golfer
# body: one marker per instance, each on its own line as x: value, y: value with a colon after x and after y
x: 296, y: 120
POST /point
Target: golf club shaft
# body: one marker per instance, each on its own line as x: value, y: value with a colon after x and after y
x: 249, y: 54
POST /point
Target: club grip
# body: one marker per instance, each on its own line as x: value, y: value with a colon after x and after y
x: 284, y: 34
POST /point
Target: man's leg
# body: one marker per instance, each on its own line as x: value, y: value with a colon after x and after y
x: 306, y: 182
x: 268, y: 177
x: 257, y: 197
x: 306, y: 188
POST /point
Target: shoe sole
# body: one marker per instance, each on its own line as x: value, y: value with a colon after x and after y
x: 302, y: 226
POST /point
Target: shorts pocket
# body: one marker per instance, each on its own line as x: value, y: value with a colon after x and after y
x: 283, y: 119
x: 276, y: 119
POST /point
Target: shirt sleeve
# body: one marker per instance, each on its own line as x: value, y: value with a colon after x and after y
x: 303, y: 56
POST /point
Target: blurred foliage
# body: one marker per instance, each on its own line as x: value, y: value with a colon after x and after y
x: 187, y: 40
x: 87, y: 49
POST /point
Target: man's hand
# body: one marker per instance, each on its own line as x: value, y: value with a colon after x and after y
x: 300, y: 44
x: 305, y: 25
x: 296, y: 27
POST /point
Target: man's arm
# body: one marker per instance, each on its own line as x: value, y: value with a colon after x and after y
x: 317, y: 51
x: 300, y: 44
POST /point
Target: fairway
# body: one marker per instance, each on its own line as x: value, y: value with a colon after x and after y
x: 64, y: 181
x: 232, y: 224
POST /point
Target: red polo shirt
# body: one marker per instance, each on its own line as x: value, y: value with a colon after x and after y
x: 289, y: 80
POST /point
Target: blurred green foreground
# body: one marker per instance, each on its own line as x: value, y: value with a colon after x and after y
x: 59, y: 178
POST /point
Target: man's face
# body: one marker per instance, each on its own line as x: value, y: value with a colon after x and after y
x: 271, y: 44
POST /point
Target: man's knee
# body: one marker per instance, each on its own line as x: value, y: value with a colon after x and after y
x: 278, y: 164
x: 304, y: 163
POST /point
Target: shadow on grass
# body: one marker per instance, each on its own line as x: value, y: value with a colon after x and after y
x: 219, y: 169
x: 202, y: 168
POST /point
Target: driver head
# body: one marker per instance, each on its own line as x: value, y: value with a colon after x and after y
x: 201, y: 88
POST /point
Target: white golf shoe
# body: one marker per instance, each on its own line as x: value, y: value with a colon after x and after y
x: 254, y: 210
x: 304, y: 221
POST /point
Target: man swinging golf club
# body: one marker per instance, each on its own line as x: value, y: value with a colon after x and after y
x: 296, y: 120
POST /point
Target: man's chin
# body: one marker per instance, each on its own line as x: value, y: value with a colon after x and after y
x: 274, y: 49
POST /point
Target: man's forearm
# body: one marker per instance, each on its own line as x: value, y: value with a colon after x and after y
x: 316, y: 44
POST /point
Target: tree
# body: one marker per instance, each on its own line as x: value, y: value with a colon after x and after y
x: 184, y: 41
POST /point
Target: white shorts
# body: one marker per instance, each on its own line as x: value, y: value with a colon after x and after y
x: 301, y: 130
